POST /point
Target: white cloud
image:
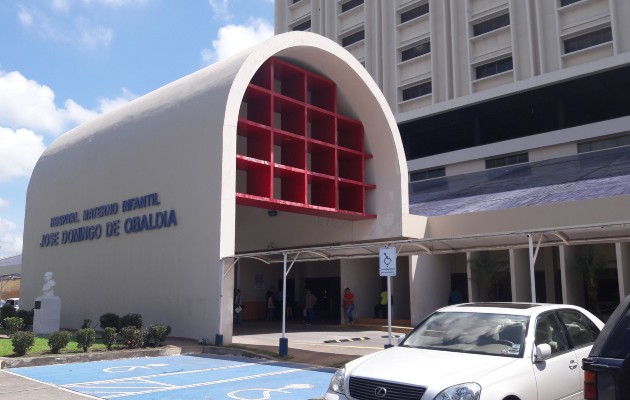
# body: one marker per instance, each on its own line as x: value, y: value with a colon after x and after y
x: 232, y: 39
x: 221, y: 9
x: 4, y: 202
x: 107, y: 105
x: 10, y: 238
x: 25, y: 103
x: 19, y: 151
x: 25, y: 17
x: 93, y: 37
x: 62, y: 26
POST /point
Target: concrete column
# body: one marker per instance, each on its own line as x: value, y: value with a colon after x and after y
x: 227, y: 301
x: 430, y: 279
x: 571, y: 276
x: 520, y: 275
x: 623, y: 268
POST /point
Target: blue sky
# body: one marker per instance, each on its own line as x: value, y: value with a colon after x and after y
x: 63, y: 62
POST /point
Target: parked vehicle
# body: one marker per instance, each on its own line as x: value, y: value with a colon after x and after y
x: 14, y: 301
x: 607, y: 368
x: 478, y: 351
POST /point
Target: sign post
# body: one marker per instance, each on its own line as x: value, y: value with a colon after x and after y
x: 387, y: 267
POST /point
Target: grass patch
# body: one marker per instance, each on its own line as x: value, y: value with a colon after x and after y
x: 41, y: 347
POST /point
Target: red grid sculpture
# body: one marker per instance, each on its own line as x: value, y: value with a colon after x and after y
x: 294, y: 152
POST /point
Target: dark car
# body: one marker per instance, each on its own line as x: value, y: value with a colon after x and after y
x: 607, y: 368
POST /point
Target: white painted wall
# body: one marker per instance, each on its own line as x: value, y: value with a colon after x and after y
x: 180, y: 142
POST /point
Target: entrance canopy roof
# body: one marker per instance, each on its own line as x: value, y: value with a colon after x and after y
x: 573, y: 235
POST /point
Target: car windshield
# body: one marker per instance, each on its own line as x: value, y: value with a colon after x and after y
x: 471, y: 332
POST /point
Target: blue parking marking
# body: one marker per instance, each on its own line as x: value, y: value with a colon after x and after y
x: 186, y: 377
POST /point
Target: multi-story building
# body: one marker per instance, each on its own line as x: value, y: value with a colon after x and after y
x: 496, y: 100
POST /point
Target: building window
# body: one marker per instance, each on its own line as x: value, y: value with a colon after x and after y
x: 605, y: 143
x: 588, y: 40
x: 302, y: 26
x: 349, y: 5
x: 427, y: 174
x: 567, y: 2
x: 493, y: 68
x: 416, y: 91
x: 353, y: 38
x: 507, y: 160
x: 415, y: 51
x: 295, y: 1
x: 414, y: 13
x: 491, y: 24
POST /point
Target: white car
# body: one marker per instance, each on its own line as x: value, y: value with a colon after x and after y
x: 478, y: 351
x: 14, y: 301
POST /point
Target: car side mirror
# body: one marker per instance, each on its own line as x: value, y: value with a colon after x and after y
x: 400, y: 339
x: 542, y: 352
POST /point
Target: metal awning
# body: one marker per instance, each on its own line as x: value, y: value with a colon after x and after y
x: 572, y: 235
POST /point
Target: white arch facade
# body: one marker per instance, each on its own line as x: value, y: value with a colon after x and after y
x: 135, y: 210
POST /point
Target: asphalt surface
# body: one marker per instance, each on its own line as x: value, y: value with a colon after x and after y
x: 311, y: 345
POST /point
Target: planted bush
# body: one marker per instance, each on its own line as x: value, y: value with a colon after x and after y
x: 133, y: 338
x: 86, y: 338
x: 27, y: 316
x: 22, y: 342
x: 6, y: 311
x: 59, y: 340
x: 109, y: 320
x: 158, y: 334
x: 109, y: 337
x: 134, y: 320
x: 13, y: 324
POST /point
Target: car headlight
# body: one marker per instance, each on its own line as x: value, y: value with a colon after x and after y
x: 336, y: 383
x: 464, y: 391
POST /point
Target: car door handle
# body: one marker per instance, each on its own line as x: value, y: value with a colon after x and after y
x: 573, y: 364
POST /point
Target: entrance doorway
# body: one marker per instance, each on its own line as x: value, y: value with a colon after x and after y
x: 327, y: 290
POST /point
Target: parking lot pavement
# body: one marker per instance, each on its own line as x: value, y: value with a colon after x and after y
x: 185, y: 377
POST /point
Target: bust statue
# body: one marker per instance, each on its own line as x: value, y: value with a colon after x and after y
x: 49, y: 285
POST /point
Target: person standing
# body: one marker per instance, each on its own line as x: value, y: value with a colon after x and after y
x: 348, y: 305
x: 271, y: 307
x: 309, y: 303
x: 380, y: 309
x: 238, y: 307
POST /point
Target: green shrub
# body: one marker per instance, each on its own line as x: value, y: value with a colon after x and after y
x: 109, y: 337
x: 133, y: 338
x: 86, y: 338
x: 6, y: 311
x: 27, y: 316
x: 158, y: 334
x: 22, y: 341
x: 13, y: 324
x: 109, y: 320
x: 59, y: 340
x: 134, y: 320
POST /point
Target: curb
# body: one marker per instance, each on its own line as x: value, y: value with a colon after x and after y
x: 7, y: 362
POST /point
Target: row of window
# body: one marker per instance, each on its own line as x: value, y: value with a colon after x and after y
x: 495, y: 162
x: 520, y: 158
x: 603, y: 144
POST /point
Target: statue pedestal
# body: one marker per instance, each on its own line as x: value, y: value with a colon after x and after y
x: 47, y: 318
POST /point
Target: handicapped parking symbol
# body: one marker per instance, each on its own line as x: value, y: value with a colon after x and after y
x: 266, y: 393
x: 132, y: 368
